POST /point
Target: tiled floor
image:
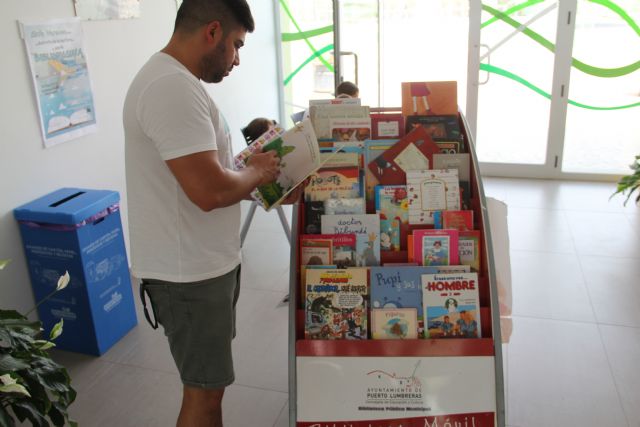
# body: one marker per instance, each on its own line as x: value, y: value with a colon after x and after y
x: 572, y: 359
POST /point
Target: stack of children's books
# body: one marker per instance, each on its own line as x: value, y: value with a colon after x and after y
x: 390, y: 245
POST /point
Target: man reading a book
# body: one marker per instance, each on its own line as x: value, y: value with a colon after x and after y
x: 183, y: 198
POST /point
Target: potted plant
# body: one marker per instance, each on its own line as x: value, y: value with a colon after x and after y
x: 631, y: 182
x: 32, y: 386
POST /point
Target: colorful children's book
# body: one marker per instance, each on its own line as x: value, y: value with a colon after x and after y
x: 331, y: 159
x: 335, y: 101
x: 336, y: 304
x: 429, y: 98
x: 460, y: 161
x: 441, y: 128
x: 321, y: 115
x: 344, y: 206
x: 413, y: 152
x: 448, y: 147
x: 367, y: 231
x: 387, y: 126
x: 394, y: 323
x: 343, y: 245
x: 299, y: 156
x: 430, y: 191
x: 312, y: 213
x: 392, y: 202
x: 451, y: 305
x: 398, y: 287
x: 332, y: 183
x: 389, y: 235
x: 349, y: 130
x: 373, y: 150
x: 458, y: 220
x: 435, y: 247
x: 303, y: 277
x: 315, y: 251
x: 469, y: 248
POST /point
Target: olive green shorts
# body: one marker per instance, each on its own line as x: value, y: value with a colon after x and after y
x: 199, y: 320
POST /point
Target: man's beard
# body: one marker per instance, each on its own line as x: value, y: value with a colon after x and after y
x: 213, y: 65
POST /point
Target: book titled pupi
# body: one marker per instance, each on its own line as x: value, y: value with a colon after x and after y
x: 299, y: 156
x: 451, y: 305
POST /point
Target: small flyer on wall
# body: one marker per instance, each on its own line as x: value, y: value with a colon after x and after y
x: 58, y: 62
x: 107, y: 9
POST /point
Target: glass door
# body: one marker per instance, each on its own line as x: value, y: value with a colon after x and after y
x: 307, y: 52
x: 382, y: 43
x: 602, y: 128
x: 517, y: 58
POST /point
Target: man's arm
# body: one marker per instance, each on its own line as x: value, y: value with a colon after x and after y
x: 209, y: 185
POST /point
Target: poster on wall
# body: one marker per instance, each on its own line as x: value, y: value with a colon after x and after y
x: 107, y: 9
x: 58, y: 62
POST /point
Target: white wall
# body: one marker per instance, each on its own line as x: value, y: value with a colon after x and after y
x: 115, y: 51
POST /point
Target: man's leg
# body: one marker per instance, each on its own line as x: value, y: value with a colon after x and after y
x: 201, y: 407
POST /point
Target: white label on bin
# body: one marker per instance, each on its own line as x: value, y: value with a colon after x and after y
x: 64, y: 313
x: 116, y: 298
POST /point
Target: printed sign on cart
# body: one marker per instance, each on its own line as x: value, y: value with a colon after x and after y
x: 394, y: 391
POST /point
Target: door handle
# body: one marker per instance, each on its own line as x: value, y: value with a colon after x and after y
x: 355, y: 61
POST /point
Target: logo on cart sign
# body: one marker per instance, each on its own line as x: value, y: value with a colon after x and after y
x: 390, y: 388
x: 115, y: 299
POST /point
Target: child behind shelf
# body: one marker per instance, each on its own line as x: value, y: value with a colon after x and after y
x: 256, y: 128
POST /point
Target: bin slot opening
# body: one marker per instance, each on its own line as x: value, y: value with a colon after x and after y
x: 66, y: 199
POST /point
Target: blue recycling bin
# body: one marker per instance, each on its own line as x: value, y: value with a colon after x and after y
x: 79, y: 231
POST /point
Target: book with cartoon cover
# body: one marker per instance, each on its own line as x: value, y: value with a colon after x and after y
x: 299, y: 154
x: 394, y: 323
x: 365, y: 227
x: 336, y: 304
x: 451, y: 305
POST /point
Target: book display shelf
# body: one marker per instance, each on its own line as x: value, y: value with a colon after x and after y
x: 424, y: 382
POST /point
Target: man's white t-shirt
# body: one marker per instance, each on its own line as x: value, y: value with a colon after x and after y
x: 169, y: 114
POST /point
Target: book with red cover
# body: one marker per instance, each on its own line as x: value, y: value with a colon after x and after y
x: 387, y: 126
x: 461, y: 220
x: 413, y: 152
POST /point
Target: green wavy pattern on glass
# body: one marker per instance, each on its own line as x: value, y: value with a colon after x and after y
x: 500, y: 71
x: 315, y: 52
x: 512, y: 10
x: 606, y: 3
x: 290, y: 37
x: 585, y: 68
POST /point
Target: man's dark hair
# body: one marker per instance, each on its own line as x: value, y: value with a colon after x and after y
x: 347, y: 88
x: 193, y: 14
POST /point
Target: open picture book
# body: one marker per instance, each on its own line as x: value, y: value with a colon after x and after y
x: 299, y: 154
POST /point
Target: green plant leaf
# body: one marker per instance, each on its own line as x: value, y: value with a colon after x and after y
x: 58, y: 414
x: 63, y: 281
x: 44, y: 344
x: 25, y: 409
x: 57, y: 330
x: 5, y: 418
x: 10, y: 363
x: 14, y: 388
x: 5, y: 338
x: 11, y: 314
x: 4, y: 263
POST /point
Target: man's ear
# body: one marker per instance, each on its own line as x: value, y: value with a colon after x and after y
x: 214, y: 29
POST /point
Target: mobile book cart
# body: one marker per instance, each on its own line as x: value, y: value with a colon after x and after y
x: 400, y: 383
